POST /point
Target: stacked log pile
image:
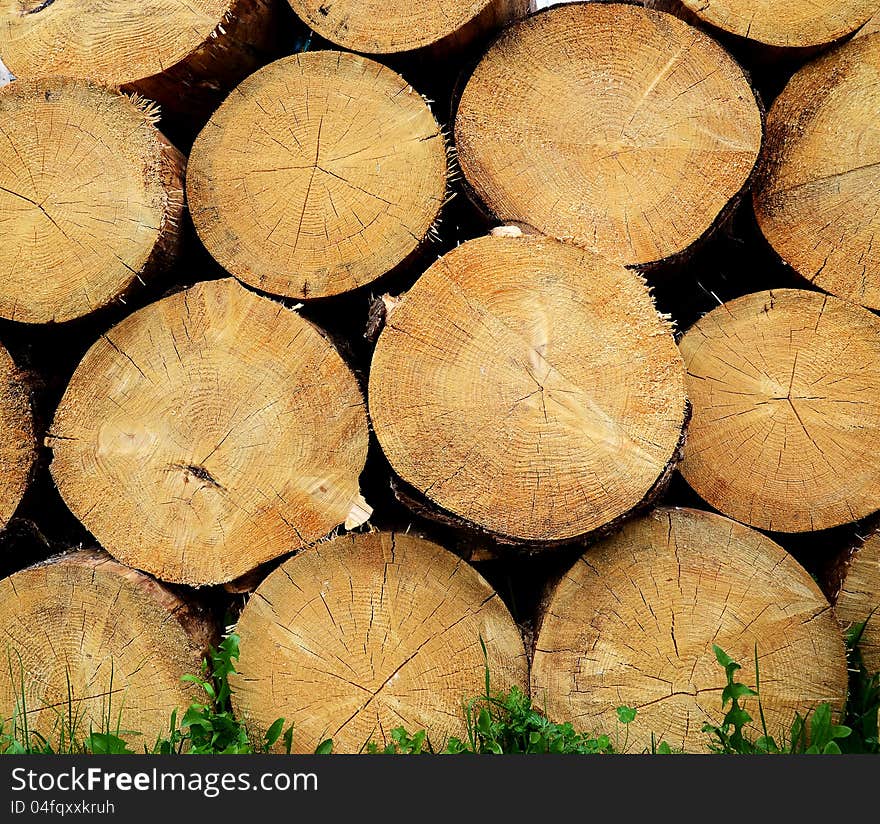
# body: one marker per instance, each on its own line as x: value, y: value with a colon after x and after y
x: 526, y: 331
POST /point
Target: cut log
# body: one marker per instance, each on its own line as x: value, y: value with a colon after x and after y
x: 816, y: 194
x: 785, y: 387
x: 529, y: 387
x: 633, y: 624
x: 622, y: 129
x: 209, y: 433
x: 859, y: 599
x: 17, y: 444
x: 93, y: 645
x: 369, y: 632
x: 91, y: 197
x: 797, y: 24
x: 356, y: 150
x: 391, y: 26
x: 182, y: 53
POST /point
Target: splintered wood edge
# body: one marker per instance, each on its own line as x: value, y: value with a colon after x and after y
x: 422, y: 506
x: 203, y: 35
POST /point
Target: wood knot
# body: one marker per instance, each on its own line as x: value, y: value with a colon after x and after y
x: 38, y: 8
x: 201, y: 473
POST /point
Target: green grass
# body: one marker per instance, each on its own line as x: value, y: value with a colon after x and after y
x: 207, y: 727
x: 864, y: 698
x: 498, y: 722
x: 507, y: 723
x: 813, y: 734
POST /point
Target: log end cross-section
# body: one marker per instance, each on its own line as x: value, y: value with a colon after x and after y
x: 621, y: 129
x: 816, y: 195
x: 369, y: 632
x: 634, y: 622
x: 529, y: 387
x: 90, y: 645
x: 208, y: 433
x: 319, y: 174
x: 785, y: 387
x: 91, y: 198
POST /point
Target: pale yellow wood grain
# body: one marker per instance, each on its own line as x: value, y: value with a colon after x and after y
x: 208, y: 433
x: 634, y: 622
x: 369, y: 632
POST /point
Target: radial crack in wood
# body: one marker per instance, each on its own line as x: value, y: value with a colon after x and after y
x: 369, y: 632
x: 785, y: 387
x: 209, y: 433
x: 90, y: 645
x: 622, y: 129
x: 816, y: 197
x: 634, y: 621
x: 529, y: 387
x: 91, y: 198
x: 319, y: 174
